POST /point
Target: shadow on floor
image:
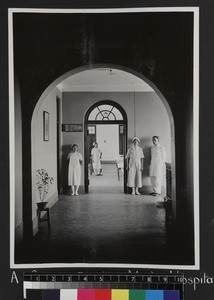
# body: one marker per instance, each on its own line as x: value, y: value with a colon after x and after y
x: 104, y: 228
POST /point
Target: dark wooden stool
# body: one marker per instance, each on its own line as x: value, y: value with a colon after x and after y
x: 47, y: 219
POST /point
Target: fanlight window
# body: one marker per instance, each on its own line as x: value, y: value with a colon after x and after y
x: 105, y: 112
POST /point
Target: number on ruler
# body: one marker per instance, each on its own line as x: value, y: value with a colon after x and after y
x: 69, y: 278
x: 165, y: 279
x: 85, y: 278
x: 149, y: 279
x: 101, y: 279
x: 53, y: 278
x: 133, y: 278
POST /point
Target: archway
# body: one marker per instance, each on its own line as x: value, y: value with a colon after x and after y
x: 110, y: 67
x: 105, y: 112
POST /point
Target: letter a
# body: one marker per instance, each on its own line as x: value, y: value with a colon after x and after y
x: 210, y: 280
x: 14, y: 277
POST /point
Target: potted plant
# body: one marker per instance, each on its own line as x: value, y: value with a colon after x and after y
x: 43, y: 182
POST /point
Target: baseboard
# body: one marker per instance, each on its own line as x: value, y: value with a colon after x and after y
x: 53, y: 199
x: 19, y: 233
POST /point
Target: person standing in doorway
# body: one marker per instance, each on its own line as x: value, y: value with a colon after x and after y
x: 74, y: 169
x: 134, y: 161
x: 96, y: 155
x: 158, y: 159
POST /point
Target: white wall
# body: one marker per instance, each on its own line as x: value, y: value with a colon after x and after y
x: 146, y: 114
x: 108, y: 141
x: 44, y: 153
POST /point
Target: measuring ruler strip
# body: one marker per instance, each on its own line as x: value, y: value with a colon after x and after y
x: 69, y: 281
x: 52, y: 277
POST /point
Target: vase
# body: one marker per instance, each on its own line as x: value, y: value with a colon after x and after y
x: 41, y: 205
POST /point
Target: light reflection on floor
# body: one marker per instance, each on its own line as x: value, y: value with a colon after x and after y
x: 107, y: 183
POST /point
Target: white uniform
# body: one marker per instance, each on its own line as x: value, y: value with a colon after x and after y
x: 96, y: 153
x: 74, y: 168
x: 135, y: 154
x: 158, y: 158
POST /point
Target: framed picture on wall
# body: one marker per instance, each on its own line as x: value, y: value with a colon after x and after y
x: 45, y: 126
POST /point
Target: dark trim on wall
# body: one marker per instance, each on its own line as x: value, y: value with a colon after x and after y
x: 58, y: 145
x: 27, y: 184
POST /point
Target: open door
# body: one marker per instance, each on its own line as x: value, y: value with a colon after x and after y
x: 90, y: 138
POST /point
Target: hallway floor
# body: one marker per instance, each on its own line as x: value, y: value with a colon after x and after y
x: 107, y: 183
x: 101, y: 228
x: 104, y: 226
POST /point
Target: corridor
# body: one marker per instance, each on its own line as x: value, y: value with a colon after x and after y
x: 104, y: 226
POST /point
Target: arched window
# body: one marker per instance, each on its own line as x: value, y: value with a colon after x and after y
x: 105, y: 112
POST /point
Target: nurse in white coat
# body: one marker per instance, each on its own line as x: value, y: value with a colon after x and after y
x: 158, y: 159
x: 134, y: 159
x: 96, y: 156
x: 74, y: 169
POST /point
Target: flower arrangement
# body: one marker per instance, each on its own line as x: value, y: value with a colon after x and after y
x: 43, y: 182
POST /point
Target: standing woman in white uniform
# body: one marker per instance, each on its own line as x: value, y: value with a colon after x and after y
x: 134, y: 160
x: 96, y: 156
x: 158, y: 159
x: 74, y: 169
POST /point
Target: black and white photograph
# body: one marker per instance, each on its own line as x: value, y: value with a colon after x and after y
x: 104, y: 137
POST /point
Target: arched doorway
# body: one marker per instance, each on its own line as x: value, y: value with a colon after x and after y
x: 111, y: 69
x: 104, y: 112
x: 89, y: 105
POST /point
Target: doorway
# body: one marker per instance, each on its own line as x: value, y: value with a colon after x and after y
x: 111, y: 173
x: 106, y: 125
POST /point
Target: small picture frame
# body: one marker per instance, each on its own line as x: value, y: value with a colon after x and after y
x: 72, y: 127
x: 45, y: 126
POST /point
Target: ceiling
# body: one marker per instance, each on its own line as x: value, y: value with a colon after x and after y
x: 104, y: 80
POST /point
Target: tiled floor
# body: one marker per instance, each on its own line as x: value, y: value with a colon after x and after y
x: 104, y: 226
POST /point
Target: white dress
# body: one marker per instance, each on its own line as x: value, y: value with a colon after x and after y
x: 135, y: 154
x: 74, y: 168
x: 95, y: 152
